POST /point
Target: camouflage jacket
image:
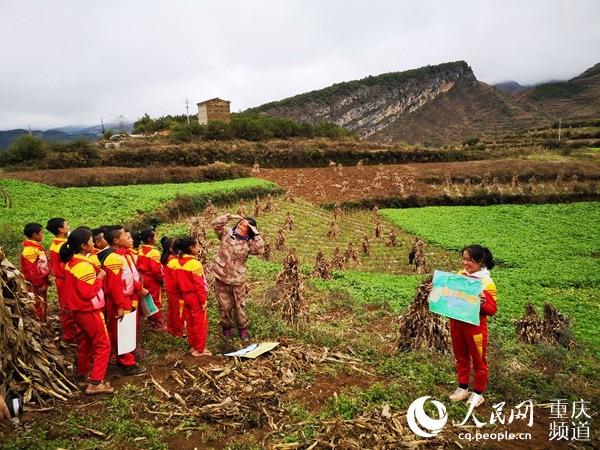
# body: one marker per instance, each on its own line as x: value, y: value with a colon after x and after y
x: 229, y: 265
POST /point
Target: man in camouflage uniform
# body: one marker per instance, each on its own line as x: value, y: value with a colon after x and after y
x: 229, y: 269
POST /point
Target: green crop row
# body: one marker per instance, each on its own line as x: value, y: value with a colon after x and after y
x: 546, y: 253
x: 93, y: 206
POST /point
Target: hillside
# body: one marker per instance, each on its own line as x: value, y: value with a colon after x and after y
x: 8, y: 136
x: 440, y: 104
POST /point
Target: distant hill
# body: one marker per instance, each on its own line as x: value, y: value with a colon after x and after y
x: 439, y: 104
x: 8, y: 136
x: 512, y: 87
x: 64, y: 134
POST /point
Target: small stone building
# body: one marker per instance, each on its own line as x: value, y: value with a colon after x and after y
x: 213, y: 109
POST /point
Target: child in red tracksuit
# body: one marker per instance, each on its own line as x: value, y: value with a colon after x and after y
x: 170, y: 261
x: 153, y: 277
x: 84, y: 298
x: 35, y: 268
x: 469, y: 342
x: 60, y: 229
x: 191, y: 283
x: 122, y: 290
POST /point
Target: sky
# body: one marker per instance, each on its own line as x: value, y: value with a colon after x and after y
x: 71, y: 62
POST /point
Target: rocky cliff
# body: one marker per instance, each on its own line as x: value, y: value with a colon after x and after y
x: 438, y: 104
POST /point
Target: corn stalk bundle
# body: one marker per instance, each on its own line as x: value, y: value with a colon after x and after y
x: 196, y: 229
x: 267, y: 250
x: 322, y: 267
x: 553, y: 329
x: 417, y: 257
x: 257, y: 207
x: 280, y: 240
x: 269, y: 204
x: 421, y: 329
x: 290, y: 299
x: 334, y: 230
x: 210, y: 212
x: 289, y: 221
x: 366, y: 245
x: 337, y: 212
x: 337, y: 259
x: 30, y: 362
x: 289, y: 197
x: 241, y: 211
x: 392, y: 240
x: 378, y: 229
x: 351, y: 254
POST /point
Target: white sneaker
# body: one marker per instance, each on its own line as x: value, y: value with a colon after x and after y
x: 476, y: 399
x: 459, y: 395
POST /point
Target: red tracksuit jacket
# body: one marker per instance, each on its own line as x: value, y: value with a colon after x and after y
x: 83, y: 291
x: 148, y: 263
x: 34, y: 263
x: 57, y: 266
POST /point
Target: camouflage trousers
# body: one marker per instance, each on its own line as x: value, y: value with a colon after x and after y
x: 231, y: 302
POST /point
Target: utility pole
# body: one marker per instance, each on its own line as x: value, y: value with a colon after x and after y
x: 187, y: 111
x: 102, y: 122
x: 559, y: 127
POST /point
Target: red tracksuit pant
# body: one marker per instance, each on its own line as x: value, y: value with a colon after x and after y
x: 41, y: 302
x: 469, y: 343
x: 126, y: 359
x: 175, y: 307
x: 156, y: 320
x: 67, y: 324
x: 196, y: 319
x: 93, y: 344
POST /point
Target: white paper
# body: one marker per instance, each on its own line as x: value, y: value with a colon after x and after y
x: 127, y: 333
x: 243, y: 350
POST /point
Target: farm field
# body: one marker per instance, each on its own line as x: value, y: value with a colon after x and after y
x: 347, y: 184
x: 334, y: 373
x: 93, y: 206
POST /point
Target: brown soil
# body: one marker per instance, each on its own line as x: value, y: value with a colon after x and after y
x: 315, y: 395
x: 351, y: 183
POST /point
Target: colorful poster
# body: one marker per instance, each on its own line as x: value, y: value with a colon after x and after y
x: 456, y: 296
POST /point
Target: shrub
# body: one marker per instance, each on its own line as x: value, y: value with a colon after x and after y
x: 78, y: 153
x: 26, y: 148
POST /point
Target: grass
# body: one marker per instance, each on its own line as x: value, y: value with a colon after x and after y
x: 93, y: 206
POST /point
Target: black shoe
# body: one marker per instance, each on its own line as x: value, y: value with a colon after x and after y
x: 136, y: 369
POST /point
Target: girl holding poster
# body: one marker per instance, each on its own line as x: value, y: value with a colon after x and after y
x: 469, y: 342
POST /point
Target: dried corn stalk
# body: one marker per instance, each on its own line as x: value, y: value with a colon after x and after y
x: 337, y: 260
x: 351, y: 255
x: 334, y: 230
x: 366, y: 245
x: 337, y: 212
x: 269, y: 205
x: 257, y: 207
x: 241, y: 211
x: 392, y: 240
x: 289, y: 221
x: 280, y: 240
x: 553, y: 329
x: 290, y: 300
x: 421, y: 329
x: 322, y: 267
x: 30, y: 362
x: 210, y: 212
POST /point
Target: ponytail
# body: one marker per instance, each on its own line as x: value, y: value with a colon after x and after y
x: 137, y: 238
x: 78, y: 237
x: 481, y: 255
x: 166, y: 244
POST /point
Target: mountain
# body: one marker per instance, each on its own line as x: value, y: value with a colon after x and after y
x: 439, y: 104
x: 512, y: 87
x: 8, y: 136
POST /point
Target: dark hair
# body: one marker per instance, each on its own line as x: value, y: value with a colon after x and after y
x: 166, y: 243
x: 96, y: 232
x: 137, y: 239
x: 31, y: 229
x: 480, y: 255
x: 182, y: 245
x: 76, y: 239
x: 112, y: 232
x: 147, y: 234
x: 250, y: 221
x: 54, y: 224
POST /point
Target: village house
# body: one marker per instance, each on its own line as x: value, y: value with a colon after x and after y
x: 213, y: 109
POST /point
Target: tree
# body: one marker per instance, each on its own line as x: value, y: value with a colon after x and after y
x: 27, y: 148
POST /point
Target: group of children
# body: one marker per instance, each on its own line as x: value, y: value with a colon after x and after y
x: 100, y: 277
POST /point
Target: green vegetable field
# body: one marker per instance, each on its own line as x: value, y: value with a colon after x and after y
x: 547, y: 253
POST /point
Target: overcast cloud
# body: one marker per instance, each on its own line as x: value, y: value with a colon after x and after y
x: 68, y: 62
